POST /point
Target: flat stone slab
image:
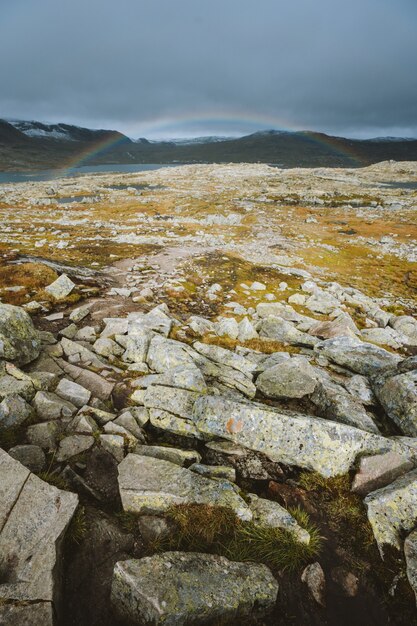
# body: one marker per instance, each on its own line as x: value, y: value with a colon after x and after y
x: 150, y: 486
x: 178, y: 588
x: 34, y: 516
x: 310, y: 442
x: 393, y: 510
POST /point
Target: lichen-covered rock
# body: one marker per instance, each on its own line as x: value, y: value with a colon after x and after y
x: 293, y: 378
x: 177, y: 401
x: 179, y: 588
x: 32, y: 457
x: 173, y: 424
x: 410, y: 552
x: 182, y: 377
x: 358, y: 356
x: 327, y: 447
x: 398, y: 396
x: 335, y: 403
x: 280, y: 330
x: 14, y: 411
x: 73, y: 392
x: 149, y: 485
x: 392, y: 510
x: 73, y: 445
x: 313, y: 577
x: 270, y: 514
x: 165, y: 354
x: 61, y: 287
x: 19, y: 340
x: 406, y: 325
x: 49, y: 406
x: 33, y: 519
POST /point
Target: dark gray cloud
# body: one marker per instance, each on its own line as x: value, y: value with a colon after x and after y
x: 184, y: 67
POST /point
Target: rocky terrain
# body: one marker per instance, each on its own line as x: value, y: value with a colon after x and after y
x: 208, y: 397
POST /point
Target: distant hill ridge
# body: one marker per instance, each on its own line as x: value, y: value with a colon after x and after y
x: 32, y: 145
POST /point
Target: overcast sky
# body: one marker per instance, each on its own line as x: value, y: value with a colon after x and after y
x: 173, y: 68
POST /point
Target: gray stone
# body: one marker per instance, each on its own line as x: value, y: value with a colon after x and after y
x: 98, y: 385
x: 384, y: 336
x: 127, y: 421
x: 313, y: 577
x: 358, y: 386
x: 392, y: 510
x: 293, y: 378
x: 214, y: 471
x: 177, y: 401
x: 335, y: 403
x: 285, y: 332
x: 11, y: 386
x: 73, y: 392
x: 398, y: 396
x: 87, y: 333
x: 173, y: 455
x: 178, y: 588
x: 327, y: 447
x: 80, y: 313
x: 30, y: 456
x: 322, y: 302
x: 184, y: 377
x: 166, y: 354
x: 225, y: 357
x: 14, y: 411
x: 342, y: 326
x: 246, y: 330
x: 34, y: 522
x: 107, y: 347
x: 379, y: 470
x: 227, y: 327
x: 137, y: 346
x: 114, y: 445
x: 61, y: 287
x: 19, y: 340
x: 156, y: 320
x: 406, y: 325
x: 49, y: 406
x: 72, y: 446
x: 358, y: 356
x: 269, y: 514
x: 173, y: 424
x: 148, y: 485
x: 45, y: 435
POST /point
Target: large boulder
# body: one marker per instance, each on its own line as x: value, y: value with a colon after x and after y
x: 178, y: 588
x: 398, y: 396
x: 301, y: 440
x: 392, y: 510
x: 33, y: 520
x: 293, y: 378
x: 19, y: 340
x: 358, y: 356
x: 150, y: 486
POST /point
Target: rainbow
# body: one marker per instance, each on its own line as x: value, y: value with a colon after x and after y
x: 165, y: 126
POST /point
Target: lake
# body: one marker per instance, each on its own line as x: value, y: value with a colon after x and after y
x: 23, y: 177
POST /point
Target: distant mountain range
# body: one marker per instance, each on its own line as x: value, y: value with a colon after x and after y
x: 31, y: 145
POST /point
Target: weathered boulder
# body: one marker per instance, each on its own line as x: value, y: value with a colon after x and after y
x: 325, y: 446
x: 406, y: 325
x: 392, y: 510
x: 177, y: 401
x: 178, y: 588
x: 280, y: 330
x: 149, y: 485
x: 398, y: 396
x: 49, y: 406
x: 342, y: 326
x: 33, y: 519
x: 358, y: 356
x: 14, y: 411
x: 358, y: 386
x: 173, y: 455
x: 293, y: 378
x: 73, y: 392
x: 335, y: 403
x: 19, y: 340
